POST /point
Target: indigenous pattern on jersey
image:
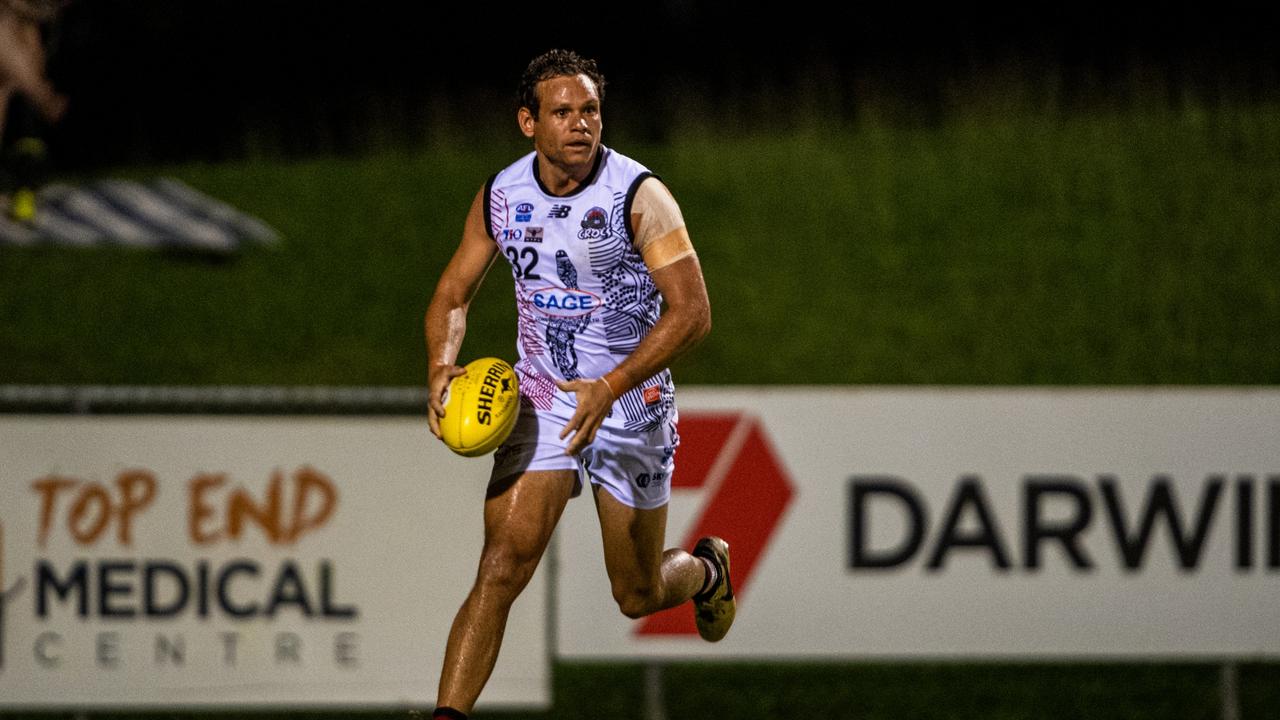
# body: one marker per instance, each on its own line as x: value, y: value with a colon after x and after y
x: 584, y: 297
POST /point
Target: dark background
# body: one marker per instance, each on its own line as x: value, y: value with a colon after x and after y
x: 156, y: 81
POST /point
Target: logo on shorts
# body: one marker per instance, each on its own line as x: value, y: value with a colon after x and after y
x: 644, y: 480
x: 559, y: 212
x: 524, y: 212
x: 652, y: 394
x: 563, y: 302
x: 533, y: 234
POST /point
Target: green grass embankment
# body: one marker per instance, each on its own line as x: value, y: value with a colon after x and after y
x: 1119, y: 248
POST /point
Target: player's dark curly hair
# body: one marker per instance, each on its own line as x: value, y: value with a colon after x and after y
x: 555, y: 63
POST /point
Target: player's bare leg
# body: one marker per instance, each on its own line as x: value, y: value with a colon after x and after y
x: 22, y: 65
x: 644, y: 577
x: 518, y: 522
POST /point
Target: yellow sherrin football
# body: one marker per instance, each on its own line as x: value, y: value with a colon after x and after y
x: 480, y: 408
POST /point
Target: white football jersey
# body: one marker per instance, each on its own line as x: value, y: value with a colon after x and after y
x: 584, y: 297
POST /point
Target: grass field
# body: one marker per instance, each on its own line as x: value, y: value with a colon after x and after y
x: 1117, y: 248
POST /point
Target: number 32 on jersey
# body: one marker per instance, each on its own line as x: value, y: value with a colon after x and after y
x: 523, y: 261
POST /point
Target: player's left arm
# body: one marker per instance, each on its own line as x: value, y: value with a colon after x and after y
x: 674, y: 267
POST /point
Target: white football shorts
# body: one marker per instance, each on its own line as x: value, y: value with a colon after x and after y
x: 634, y: 466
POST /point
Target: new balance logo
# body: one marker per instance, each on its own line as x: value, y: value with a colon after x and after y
x: 559, y: 212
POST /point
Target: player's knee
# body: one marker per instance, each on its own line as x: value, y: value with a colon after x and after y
x: 636, y: 601
x: 505, y: 571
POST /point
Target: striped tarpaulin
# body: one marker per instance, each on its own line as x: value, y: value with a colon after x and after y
x: 162, y: 213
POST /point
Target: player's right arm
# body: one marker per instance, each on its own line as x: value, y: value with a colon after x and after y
x: 446, y: 321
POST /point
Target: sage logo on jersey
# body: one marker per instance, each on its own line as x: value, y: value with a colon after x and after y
x: 559, y: 212
x: 533, y: 235
x: 563, y: 302
x: 524, y: 212
x: 595, y: 224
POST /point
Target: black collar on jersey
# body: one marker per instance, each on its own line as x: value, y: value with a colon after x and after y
x: 591, y: 177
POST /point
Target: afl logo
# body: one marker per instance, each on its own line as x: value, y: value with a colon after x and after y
x: 563, y: 302
x: 524, y: 212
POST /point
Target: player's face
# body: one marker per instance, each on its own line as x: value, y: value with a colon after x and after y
x: 567, y: 129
